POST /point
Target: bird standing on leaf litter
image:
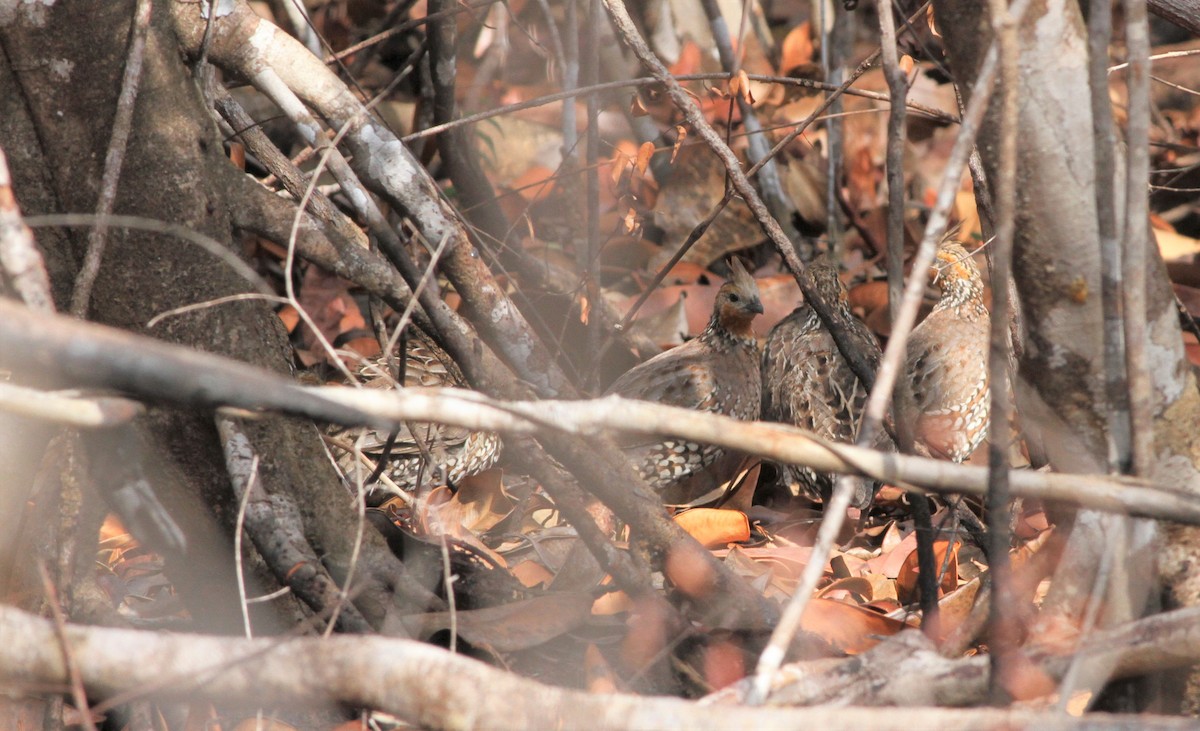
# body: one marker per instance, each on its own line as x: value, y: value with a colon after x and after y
x: 424, y: 452
x: 718, y: 371
x: 807, y: 382
x: 947, y: 361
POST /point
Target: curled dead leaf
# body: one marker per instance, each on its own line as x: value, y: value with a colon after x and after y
x: 715, y: 528
x: 620, y: 163
x: 531, y: 573
x: 797, y: 48
x: 645, y: 152
x: 680, y: 136
x: 945, y: 558
x: 740, y: 86
x: 847, y: 628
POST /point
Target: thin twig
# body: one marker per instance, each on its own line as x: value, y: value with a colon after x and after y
x: 451, y: 604
x: 406, y: 26
x: 238, y: 529
x: 568, y: 74
x: 1157, y: 56
x: 1137, y: 42
x: 757, y: 147
x: 78, y: 693
x: 1115, y: 393
x: 114, y: 160
x: 889, y: 369
x: 843, y: 88
x: 141, y: 223
x: 588, y: 256
x: 1173, y: 85
x: 897, y: 82
x: 1003, y: 633
x: 216, y: 301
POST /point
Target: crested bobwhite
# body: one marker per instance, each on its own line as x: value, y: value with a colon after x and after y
x: 806, y: 382
x: 421, y: 452
x: 717, y: 371
x: 947, y: 361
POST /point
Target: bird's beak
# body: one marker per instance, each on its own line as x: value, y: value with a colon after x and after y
x: 755, y: 305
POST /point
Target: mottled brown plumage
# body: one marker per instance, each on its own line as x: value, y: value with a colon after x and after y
x: 453, y: 453
x: 947, y: 361
x: 717, y: 371
x: 806, y: 382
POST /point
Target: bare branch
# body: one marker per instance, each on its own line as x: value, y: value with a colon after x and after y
x: 93, y: 355
x: 440, y: 690
x: 19, y: 255
x: 1003, y: 632
x: 66, y: 407
x: 1183, y: 13
x: 282, y: 69
x: 1137, y: 360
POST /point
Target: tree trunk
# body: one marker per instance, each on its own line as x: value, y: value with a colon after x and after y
x: 1058, y: 273
x: 59, y: 81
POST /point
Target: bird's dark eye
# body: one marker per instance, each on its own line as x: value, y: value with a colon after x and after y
x: 733, y: 297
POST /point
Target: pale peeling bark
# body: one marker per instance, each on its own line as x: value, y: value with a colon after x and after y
x: 1057, y: 267
x: 1056, y: 221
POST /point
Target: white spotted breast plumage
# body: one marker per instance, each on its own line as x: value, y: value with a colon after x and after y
x: 947, y: 361
x: 717, y: 372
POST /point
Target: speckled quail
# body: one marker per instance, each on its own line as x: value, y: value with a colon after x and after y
x: 947, y: 361
x: 807, y: 382
x: 433, y: 453
x: 717, y: 371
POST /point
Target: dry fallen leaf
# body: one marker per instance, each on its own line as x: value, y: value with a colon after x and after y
x: 510, y: 627
x: 906, y: 579
x: 645, y: 152
x: 680, y: 136
x: 531, y: 573
x: 714, y: 527
x: 846, y: 627
x: 535, y: 184
x: 797, y: 48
